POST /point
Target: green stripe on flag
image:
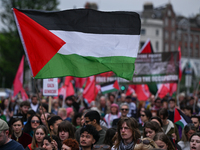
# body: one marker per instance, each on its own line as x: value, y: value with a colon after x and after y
x: 79, y: 66
x: 109, y: 91
x: 180, y: 124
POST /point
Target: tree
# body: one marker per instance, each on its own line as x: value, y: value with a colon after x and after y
x: 11, y: 49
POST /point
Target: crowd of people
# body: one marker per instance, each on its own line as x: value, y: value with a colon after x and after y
x: 111, y: 122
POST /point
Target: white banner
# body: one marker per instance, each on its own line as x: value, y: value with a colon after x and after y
x: 50, y: 87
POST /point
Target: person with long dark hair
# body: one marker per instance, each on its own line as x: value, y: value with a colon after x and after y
x: 33, y: 122
x: 51, y: 144
x: 195, y: 141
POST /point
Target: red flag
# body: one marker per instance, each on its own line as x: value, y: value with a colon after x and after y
x: 129, y: 91
x: 142, y: 91
x: 173, y: 88
x: 107, y: 74
x: 146, y: 48
x: 79, y: 82
x: 67, y: 80
x: 90, y: 90
x: 163, y: 90
x: 18, y: 81
x: 23, y: 94
x: 66, y: 90
x: 180, y: 71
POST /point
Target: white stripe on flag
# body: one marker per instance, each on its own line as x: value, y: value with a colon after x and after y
x: 107, y: 87
x: 183, y: 121
x: 98, y: 45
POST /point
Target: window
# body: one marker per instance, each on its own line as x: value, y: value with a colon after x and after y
x: 172, y: 47
x: 166, y: 21
x: 173, y: 36
x: 157, y: 46
x: 166, y: 47
x: 173, y: 22
x: 157, y: 32
x: 143, y: 32
x: 166, y: 35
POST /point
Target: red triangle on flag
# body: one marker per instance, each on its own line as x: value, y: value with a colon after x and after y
x: 147, y: 48
x: 46, y: 44
x: 116, y: 85
x: 177, y: 116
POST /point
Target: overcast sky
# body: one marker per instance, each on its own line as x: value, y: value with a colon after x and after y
x: 183, y: 7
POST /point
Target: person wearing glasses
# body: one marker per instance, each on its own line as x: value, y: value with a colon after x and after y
x: 33, y: 122
x: 127, y: 134
x: 145, y: 143
x: 88, y: 137
x: 188, y: 130
x: 18, y: 135
x: 124, y: 109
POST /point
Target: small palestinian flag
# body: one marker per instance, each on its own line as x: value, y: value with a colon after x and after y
x: 110, y: 87
x: 180, y: 118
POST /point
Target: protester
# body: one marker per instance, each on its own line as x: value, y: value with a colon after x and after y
x: 32, y: 123
x: 196, y: 121
x: 110, y: 133
x: 55, y: 106
x: 65, y: 130
x: 51, y: 144
x: 195, y: 141
x: 70, y: 114
x: 124, y: 109
x: 188, y: 111
x: 5, y: 142
x: 150, y: 103
x: 168, y: 126
x: 18, y: 135
x: 111, y: 98
x: 157, y: 104
x: 132, y: 107
x: 43, y: 108
x: 6, y: 109
x: 127, y: 134
x: 44, y: 118
x: 62, y: 112
x: 150, y: 129
x: 70, y: 144
x: 93, y: 118
x: 38, y: 136
x: 76, y: 121
x: 24, y: 107
x: 53, y: 124
x: 34, y: 104
x: 88, y: 137
x: 114, y: 113
x: 188, y: 130
x: 158, y: 120
x: 103, y: 107
x: 163, y: 142
x: 172, y: 105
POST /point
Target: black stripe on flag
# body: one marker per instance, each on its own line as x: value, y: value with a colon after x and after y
x: 187, y: 119
x: 88, y: 21
x: 107, y: 83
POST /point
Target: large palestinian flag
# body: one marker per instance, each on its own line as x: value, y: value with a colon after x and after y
x: 79, y: 42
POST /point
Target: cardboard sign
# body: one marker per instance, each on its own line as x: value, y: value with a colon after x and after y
x: 50, y: 87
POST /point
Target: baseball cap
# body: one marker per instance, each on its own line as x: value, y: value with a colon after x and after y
x: 3, y: 125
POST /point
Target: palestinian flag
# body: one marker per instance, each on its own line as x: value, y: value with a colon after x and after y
x: 180, y: 118
x: 110, y: 87
x: 79, y: 42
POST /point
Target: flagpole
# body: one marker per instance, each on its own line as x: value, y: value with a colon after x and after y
x: 40, y: 104
x: 195, y: 98
x: 177, y: 93
x: 94, y: 87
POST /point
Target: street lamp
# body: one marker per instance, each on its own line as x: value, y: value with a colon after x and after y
x: 185, y: 25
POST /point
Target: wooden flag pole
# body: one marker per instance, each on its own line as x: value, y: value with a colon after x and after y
x: 40, y: 104
x: 50, y: 101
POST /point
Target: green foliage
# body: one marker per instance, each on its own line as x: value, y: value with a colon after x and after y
x: 11, y: 49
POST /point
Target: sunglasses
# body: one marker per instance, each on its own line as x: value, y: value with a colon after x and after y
x: 101, y: 146
x: 146, y: 142
x: 143, y: 115
x: 35, y: 121
x: 124, y: 109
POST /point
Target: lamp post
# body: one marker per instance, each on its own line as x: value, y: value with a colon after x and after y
x: 185, y: 25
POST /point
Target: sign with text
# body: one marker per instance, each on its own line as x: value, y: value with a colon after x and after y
x: 50, y: 87
x: 157, y: 67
